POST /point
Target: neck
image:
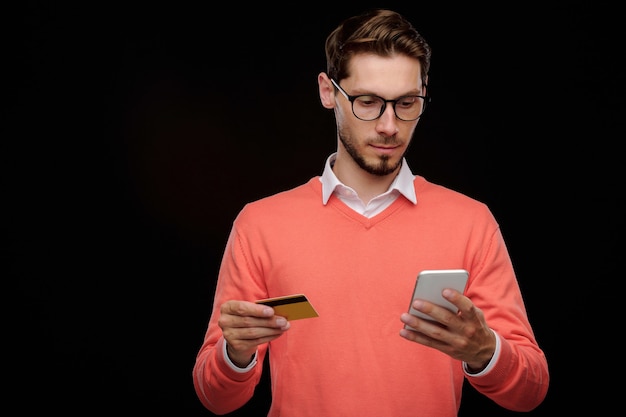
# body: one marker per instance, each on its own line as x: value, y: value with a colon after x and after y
x: 366, y: 185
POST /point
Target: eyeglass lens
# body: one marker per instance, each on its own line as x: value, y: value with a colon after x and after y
x: 372, y: 107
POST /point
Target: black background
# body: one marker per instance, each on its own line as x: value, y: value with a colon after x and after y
x: 134, y: 133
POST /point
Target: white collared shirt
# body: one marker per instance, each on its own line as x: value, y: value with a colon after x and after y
x: 402, y: 184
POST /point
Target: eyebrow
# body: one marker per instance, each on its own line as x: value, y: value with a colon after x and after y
x: 357, y: 92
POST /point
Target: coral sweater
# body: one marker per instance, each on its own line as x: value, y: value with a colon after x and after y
x: 359, y: 275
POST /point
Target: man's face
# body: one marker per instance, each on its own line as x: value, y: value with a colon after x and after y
x: 377, y: 146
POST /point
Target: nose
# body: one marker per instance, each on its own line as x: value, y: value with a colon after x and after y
x: 387, y: 123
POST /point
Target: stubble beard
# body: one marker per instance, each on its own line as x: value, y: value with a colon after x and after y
x: 382, y: 168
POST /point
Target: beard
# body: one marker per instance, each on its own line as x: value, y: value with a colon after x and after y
x: 382, y: 167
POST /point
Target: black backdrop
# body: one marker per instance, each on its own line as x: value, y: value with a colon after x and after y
x: 134, y: 133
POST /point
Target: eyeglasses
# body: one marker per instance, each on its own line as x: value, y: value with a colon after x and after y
x: 369, y: 107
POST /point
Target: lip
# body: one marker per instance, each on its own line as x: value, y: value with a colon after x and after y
x: 386, y: 150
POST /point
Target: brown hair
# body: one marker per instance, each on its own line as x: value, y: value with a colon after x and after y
x: 381, y: 32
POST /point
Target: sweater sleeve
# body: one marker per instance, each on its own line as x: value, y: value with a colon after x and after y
x: 519, y: 377
x: 220, y: 387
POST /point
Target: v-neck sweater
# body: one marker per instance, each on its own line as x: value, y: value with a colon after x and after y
x: 359, y: 274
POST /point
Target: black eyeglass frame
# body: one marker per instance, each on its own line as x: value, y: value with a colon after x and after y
x: 351, y: 99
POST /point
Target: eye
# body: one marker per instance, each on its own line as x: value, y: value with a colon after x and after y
x: 368, y: 101
x: 407, y: 101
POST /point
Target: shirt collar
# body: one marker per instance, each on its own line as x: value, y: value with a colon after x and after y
x: 403, y: 181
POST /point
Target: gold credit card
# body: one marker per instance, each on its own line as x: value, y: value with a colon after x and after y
x: 292, y: 307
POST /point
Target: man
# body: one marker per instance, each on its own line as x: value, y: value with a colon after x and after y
x: 353, y: 241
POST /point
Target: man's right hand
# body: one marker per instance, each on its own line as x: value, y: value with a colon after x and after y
x: 245, y: 325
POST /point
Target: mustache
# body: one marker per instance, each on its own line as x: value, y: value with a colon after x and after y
x: 385, y: 140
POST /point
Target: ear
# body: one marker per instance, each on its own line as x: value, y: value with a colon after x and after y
x: 327, y: 91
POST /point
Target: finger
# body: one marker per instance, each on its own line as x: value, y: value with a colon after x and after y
x: 462, y: 303
x: 427, y: 332
x: 246, y: 309
x: 244, y: 314
x: 436, y: 313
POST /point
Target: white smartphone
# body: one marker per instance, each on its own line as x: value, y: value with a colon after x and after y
x: 429, y: 285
